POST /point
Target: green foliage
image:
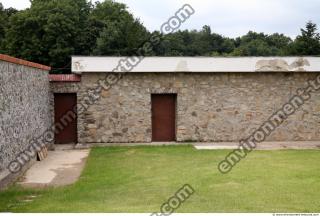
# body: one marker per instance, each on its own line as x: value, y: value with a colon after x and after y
x: 206, y: 43
x: 2, y: 24
x: 260, y: 44
x: 194, y: 43
x: 308, y: 43
x: 5, y: 14
x: 119, y: 33
x: 49, y: 32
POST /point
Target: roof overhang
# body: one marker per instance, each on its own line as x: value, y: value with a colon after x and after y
x: 195, y: 64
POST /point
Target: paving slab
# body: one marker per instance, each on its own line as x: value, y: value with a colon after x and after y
x: 214, y: 147
x: 60, y: 168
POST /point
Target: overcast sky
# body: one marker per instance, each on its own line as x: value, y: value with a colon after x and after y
x: 231, y: 18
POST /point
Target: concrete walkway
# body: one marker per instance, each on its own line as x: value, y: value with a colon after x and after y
x: 261, y: 146
x: 61, y: 167
x: 216, y: 145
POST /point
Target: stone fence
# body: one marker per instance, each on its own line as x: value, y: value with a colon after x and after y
x: 24, y: 109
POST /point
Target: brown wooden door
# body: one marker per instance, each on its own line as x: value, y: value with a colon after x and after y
x: 163, y: 117
x: 65, y: 116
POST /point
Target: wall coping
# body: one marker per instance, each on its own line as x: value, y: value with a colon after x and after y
x: 18, y: 61
x: 102, y: 64
x: 64, y: 78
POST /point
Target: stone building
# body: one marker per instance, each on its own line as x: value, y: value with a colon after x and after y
x: 184, y: 99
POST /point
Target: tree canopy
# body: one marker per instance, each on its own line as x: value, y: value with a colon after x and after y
x: 51, y: 31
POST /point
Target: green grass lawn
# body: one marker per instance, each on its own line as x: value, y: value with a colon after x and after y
x: 140, y: 179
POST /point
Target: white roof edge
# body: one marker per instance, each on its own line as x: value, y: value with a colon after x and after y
x: 194, y: 64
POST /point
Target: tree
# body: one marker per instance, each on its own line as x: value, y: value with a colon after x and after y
x: 2, y: 24
x: 118, y: 32
x: 227, y: 46
x: 173, y: 45
x: 256, y: 47
x: 49, y: 32
x: 194, y: 43
x: 279, y: 44
x: 5, y: 14
x: 260, y: 44
x: 308, y: 43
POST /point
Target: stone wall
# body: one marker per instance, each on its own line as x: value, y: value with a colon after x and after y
x: 210, y: 106
x: 24, y: 108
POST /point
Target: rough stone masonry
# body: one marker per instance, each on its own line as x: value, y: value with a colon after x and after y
x: 210, y: 106
x: 24, y: 107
